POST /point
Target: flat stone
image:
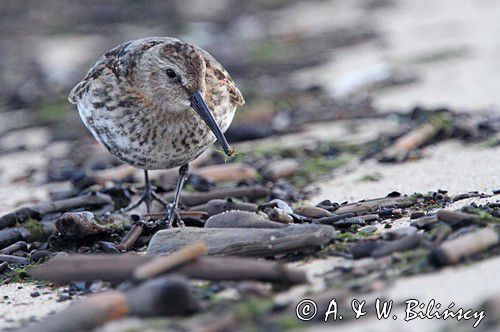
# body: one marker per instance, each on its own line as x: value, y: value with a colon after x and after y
x: 245, y: 242
x: 241, y: 219
x: 312, y: 212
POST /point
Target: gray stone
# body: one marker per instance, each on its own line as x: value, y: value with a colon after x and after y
x: 241, y: 219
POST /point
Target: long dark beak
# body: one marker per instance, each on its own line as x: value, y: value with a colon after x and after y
x: 199, y: 105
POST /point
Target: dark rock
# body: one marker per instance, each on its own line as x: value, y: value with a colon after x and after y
x: 168, y: 295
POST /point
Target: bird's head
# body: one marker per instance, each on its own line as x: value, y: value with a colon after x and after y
x: 172, y: 75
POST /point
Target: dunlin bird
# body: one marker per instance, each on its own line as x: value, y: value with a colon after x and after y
x: 157, y: 103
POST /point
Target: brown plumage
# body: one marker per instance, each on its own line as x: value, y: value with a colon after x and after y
x: 143, y: 116
x: 141, y: 99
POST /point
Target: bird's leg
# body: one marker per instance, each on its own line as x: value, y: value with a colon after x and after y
x: 145, y: 197
x: 172, y: 213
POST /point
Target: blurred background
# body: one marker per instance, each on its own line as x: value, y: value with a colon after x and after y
x: 345, y: 101
x: 296, y: 62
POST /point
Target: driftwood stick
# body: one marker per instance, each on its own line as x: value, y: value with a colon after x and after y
x: 281, y: 169
x: 371, y: 205
x: 112, y: 174
x: 401, y: 149
x: 256, y: 242
x: 182, y: 214
x: 19, y: 216
x: 129, y: 239
x: 117, y: 268
x: 85, y: 315
x: 92, y: 200
x: 19, y: 245
x: 37, y: 211
x: 163, y: 264
x: 192, y: 199
x: 13, y: 259
x: 458, y: 219
x: 450, y: 252
x: 227, y: 172
x: 11, y: 235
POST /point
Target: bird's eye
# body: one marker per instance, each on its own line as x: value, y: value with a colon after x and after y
x: 170, y: 73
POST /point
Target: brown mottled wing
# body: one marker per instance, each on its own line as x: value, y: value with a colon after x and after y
x: 110, y: 60
x: 222, y: 75
x: 120, y: 60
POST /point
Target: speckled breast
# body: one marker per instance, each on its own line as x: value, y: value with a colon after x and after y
x: 151, y: 139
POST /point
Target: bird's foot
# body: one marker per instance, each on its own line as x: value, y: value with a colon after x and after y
x: 158, y: 198
x: 147, y: 197
x: 172, y: 216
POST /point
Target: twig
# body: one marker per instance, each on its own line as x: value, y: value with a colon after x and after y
x: 162, y: 264
x: 403, y: 146
x: 129, y: 239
